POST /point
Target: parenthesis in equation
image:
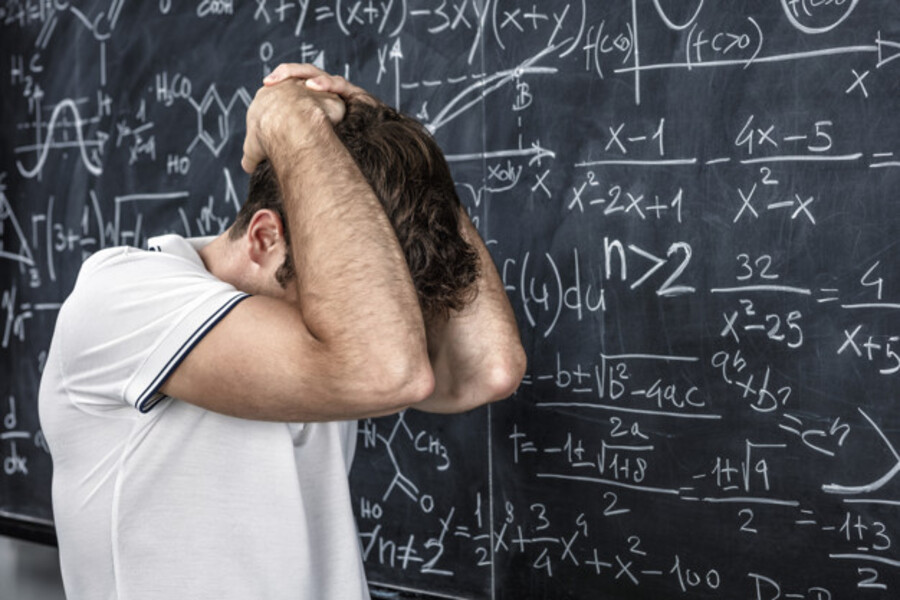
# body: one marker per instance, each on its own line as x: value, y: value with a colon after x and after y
x: 632, y: 46
x: 580, y: 31
x: 399, y: 27
x: 759, y: 45
x: 387, y: 12
x: 527, y: 293
x: 559, y: 288
x: 522, y: 292
x: 49, y: 235
x: 494, y: 25
x: 687, y: 46
x: 339, y: 19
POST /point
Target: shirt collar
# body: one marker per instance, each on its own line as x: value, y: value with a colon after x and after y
x: 187, y: 248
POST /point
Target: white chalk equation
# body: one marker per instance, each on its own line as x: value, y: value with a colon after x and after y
x: 409, y: 488
x: 18, y: 442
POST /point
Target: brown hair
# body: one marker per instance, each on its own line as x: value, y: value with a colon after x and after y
x: 410, y: 176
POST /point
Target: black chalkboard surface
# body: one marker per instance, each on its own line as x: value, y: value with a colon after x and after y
x: 694, y: 209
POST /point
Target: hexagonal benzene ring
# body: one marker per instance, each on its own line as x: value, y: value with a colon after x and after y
x: 212, y: 121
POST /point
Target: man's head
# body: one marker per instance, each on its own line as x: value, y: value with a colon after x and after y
x: 410, y: 176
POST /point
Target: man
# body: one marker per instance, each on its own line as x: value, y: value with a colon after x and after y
x: 199, y: 401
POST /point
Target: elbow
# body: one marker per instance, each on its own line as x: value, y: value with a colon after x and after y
x: 505, y: 374
x: 401, y: 382
x: 499, y: 379
x: 418, y: 385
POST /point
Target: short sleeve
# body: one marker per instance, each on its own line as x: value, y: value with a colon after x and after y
x: 130, y: 321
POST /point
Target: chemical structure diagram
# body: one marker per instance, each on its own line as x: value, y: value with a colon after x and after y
x: 391, y: 449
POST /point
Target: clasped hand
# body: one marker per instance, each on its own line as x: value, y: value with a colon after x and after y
x: 289, y: 89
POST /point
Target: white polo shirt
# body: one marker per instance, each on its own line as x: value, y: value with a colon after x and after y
x: 155, y: 498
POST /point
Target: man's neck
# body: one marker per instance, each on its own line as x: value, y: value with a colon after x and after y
x: 218, y: 257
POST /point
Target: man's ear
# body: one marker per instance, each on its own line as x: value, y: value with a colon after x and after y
x: 265, y: 237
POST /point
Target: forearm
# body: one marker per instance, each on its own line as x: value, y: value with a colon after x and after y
x: 350, y: 342
x: 476, y: 354
x: 356, y: 295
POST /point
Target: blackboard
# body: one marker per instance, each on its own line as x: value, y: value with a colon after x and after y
x: 695, y: 209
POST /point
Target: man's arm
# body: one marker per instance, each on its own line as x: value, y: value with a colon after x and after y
x: 476, y: 354
x: 355, y: 345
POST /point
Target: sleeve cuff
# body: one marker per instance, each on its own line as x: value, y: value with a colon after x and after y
x: 143, y: 390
